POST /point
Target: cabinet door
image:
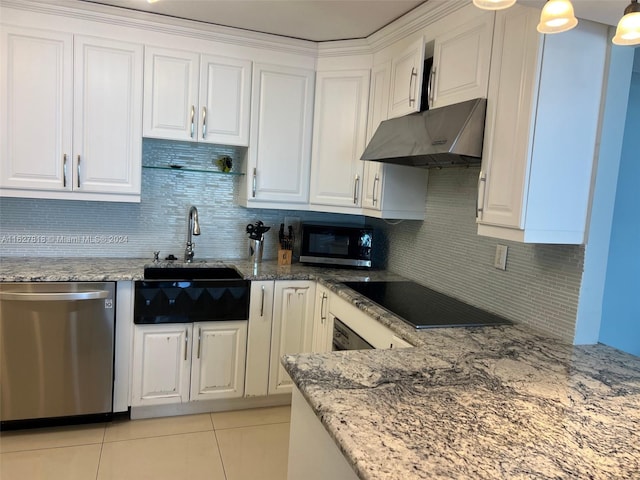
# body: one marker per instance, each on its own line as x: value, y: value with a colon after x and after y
x: 506, y: 146
x: 378, y: 111
x: 538, y: 177
x: 461, y: 62
x: 322, y: 321
x: 259, y: 339
x: 219, y: 352
x: 339, y: 134
x: 107, y: 117
x: 171, y: 79
x: 292, y: 328
x: 280, y: 152
x: 36, y: 108
x: 406, y: 80
x: 225, y: 91
x: 161, y: 364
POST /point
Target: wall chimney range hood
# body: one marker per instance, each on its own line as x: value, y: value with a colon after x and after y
x: 441, y: 137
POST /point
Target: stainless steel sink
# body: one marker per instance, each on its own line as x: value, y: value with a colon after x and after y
x: 191, y: 273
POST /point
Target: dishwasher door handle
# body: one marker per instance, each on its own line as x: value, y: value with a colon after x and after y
x: 54, y: 296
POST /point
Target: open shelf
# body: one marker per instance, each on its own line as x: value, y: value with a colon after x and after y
x: 191, y: 169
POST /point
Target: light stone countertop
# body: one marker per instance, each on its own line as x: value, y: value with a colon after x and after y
x: 466, y: 403
x: 479, y: 403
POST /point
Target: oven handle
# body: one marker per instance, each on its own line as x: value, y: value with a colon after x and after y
x: 54, y: 296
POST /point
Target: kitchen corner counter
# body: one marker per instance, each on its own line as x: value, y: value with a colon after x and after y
x: 480, y: 403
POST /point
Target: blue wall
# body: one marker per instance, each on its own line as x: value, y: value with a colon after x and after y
x: 620, y: 325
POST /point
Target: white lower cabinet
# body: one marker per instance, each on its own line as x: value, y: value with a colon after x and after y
x: 292, y: 328
x: 175, y: 363
x: 322, y: 321
x: 280, y: 322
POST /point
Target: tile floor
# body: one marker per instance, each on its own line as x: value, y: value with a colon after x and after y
x: 239, y: 445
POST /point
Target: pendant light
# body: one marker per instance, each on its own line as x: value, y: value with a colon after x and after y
x: 628, y: 31
x: 493, y: 4
x: 557, y: 16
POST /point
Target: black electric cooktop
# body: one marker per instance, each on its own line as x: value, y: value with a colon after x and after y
x: 422, y: 307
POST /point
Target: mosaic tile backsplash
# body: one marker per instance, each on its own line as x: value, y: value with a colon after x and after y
x: 159, y: 222
x: 540, y: 286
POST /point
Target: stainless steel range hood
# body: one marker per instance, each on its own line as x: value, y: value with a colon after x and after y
x: 442, y: 137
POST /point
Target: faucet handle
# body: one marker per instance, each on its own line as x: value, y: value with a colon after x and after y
x: 156, y: 256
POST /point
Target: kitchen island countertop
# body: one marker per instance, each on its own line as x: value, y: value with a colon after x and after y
x: 483, y: 403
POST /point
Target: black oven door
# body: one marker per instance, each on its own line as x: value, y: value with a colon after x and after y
x: 346, y: 339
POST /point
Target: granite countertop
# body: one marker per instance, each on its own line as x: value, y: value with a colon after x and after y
x: 479, y: 403
x: 84, y: 269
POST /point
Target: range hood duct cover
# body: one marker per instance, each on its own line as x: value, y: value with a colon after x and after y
x: 442, y: 137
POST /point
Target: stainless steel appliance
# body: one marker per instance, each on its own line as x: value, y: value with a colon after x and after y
x: 56, y: 349
x: 336, y: 245
x: 422, y: 307
x: 441, y: 137
x: 346, y: 339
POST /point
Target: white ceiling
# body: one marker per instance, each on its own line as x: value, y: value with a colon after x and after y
x: 322, y: 20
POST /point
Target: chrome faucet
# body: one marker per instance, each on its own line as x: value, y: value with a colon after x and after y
x: 193, y: 228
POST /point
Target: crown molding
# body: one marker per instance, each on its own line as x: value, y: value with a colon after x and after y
x: 415, y: 20
x: 168, y: 25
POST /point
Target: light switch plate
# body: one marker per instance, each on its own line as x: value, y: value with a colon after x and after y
x: 500, y: 260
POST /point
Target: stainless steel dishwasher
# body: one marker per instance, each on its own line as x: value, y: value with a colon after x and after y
x: 56, y: 350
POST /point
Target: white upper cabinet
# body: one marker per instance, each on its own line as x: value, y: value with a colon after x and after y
x: 407, y: 68
x: 36, y: 109
x: 107, y: 141
x: 389, y: 191
x: 193, y: 97
x: 71, y: 116
x: 461, y: 61
x: 278, y: 166
x: 339, y: 134
x: 540, y: 138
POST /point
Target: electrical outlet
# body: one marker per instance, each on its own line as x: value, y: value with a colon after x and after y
x: 500, y: 260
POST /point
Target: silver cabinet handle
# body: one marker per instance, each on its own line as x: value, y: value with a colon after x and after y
x: 199, y: 340
x: 431, y: 92
x: 193, y: 119
x: 253, y: 189
x: 356, y: 183
x: 414, y: 74
x: 64, y: 171
x: 78, y: 169
x: 375, y: 183
x: 186, y: 344
x: 54, y: 296
x: 262, y: 303
x: 204, y: 122
x: 482, y: 182
x: 323, y: 317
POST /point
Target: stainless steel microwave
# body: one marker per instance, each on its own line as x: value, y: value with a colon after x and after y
x: 336, y: 245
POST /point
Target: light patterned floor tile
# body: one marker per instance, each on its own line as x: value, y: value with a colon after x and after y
x: 154, y: 427
x: 52, y: 437
x: 67, y: 463
x: 192, y: 456
x: 253, y: 417
x: 255, y: 452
